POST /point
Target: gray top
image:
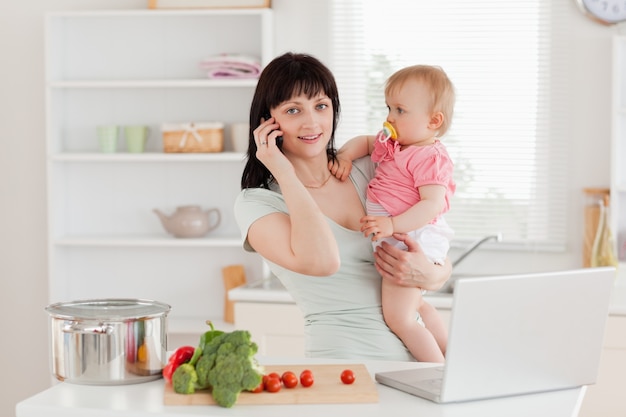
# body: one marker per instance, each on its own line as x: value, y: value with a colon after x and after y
x: 342, y: 312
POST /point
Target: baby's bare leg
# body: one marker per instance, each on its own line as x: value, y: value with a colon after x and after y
x: 400, y: 305
x: 435, y: 324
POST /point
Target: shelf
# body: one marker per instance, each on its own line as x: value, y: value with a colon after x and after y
x: 141, y: 67
x: 192, y: 83
x: 148, y: 157
x: 147, y: 241
x: 160, y: 12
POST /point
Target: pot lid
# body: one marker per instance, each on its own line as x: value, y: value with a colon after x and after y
x: 108, y: 309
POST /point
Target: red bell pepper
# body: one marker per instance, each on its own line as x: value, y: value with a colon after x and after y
x: 182, y: 355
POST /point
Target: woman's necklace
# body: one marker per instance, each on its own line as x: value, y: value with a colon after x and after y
x: 315, y: 187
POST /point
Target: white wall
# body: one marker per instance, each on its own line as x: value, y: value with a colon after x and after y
x: 300, y: 26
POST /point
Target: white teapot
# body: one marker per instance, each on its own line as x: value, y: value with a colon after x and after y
x: 190, y: 221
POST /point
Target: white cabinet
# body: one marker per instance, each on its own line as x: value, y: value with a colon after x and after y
x: 278, y: 328
x: 142, y: 67
x: 606, y: 397
x: 618, y: 154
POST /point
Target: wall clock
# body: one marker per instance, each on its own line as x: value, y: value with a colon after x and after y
x: 607, y: 12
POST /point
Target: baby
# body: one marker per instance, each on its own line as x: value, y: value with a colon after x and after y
x: 409, y: 193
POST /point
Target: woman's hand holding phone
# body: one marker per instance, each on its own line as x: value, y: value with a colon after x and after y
x: 279, y: 139
x: 269, y: 146
x: 267, y: 133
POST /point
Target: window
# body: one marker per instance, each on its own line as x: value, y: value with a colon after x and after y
x: 507, y: 137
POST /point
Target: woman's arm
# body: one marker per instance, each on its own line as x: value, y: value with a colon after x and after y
x: 410, y: 268
x: 302, y: 240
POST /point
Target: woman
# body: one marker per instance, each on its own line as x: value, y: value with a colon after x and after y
x: 305, y: 222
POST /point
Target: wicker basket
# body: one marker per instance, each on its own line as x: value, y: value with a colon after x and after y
x: 193, y: 137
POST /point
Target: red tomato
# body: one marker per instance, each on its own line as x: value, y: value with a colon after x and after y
x: 273, y: 375
x: 273, y: 385
x: 290, y: 380
x: 260, y: 388
x: 347, y: 377
x: 306, y: 378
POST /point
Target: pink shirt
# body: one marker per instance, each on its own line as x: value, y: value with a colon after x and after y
x: 401, y: 172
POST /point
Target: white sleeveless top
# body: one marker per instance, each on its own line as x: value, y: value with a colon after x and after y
x: 342, y: 312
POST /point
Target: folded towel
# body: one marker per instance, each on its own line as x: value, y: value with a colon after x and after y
x: 231, y: 66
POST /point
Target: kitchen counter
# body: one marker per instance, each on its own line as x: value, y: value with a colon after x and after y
x: 618, y: 301
x: 146, y: 400
x: 272, y: 291
x: 268, y: 290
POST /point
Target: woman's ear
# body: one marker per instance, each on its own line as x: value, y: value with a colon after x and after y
x: 436, y: 120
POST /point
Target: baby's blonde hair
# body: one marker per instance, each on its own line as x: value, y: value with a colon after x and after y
x: 441, y: 89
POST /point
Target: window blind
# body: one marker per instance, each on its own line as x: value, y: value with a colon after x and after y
x: 508, y: 138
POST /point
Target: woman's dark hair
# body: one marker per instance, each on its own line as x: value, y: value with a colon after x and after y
x: 286, y: 76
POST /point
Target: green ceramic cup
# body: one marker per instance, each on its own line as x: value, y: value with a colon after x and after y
x: 107, y: 138
x: 136, y: 138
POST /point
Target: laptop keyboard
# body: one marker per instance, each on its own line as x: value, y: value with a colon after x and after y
x: 431, y: 379
x: 431, y: 384
x: 428, y: 373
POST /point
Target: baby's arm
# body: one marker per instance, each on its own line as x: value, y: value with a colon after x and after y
x: 355, y: 148
x: 431, y: 204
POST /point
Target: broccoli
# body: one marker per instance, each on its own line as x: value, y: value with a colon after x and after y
x: 203, y: 366
x: 184, y: 379
x: 228, y: 366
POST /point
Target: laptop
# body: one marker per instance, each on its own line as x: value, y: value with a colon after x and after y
x: 517, y: 334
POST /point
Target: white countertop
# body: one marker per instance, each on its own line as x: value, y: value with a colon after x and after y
x: 264, y: 291
x: 272, y: 291
x: 618, y: 301
x: 146, y: 400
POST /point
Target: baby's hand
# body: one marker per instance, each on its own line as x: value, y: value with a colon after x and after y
x: 376, y: 226
x: 340, y: 168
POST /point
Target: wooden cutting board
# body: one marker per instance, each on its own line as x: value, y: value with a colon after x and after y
x: 327, y: 389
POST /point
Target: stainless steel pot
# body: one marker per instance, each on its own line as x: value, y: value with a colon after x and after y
x: 108, y: 341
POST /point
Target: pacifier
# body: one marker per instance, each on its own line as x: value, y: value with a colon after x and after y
x: 388, y: 132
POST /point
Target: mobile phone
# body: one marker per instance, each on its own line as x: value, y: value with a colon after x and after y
x: 279, y: 139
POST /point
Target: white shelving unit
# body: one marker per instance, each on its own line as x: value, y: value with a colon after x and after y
x: 142, y: 67
x: 618, y: 154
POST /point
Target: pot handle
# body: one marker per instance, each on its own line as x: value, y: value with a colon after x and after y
x: 77, y: 327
